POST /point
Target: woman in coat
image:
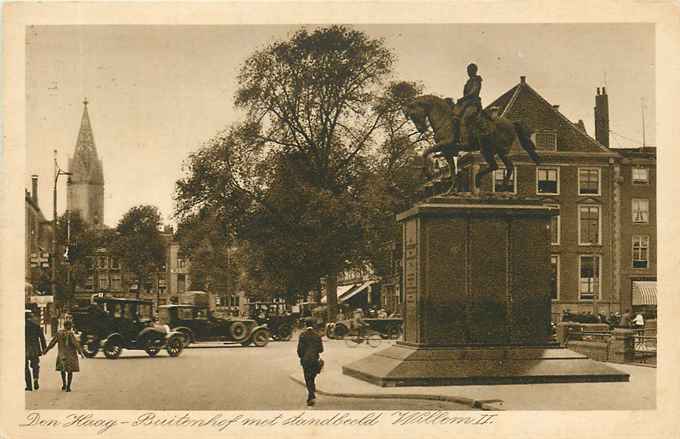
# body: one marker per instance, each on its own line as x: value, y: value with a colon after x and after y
x: 68, y: 349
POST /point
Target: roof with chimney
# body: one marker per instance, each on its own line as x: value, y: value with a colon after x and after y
x: 85, y: 164
x: 524, y: 103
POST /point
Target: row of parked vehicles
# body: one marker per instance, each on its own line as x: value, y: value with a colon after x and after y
x: 111, y: 325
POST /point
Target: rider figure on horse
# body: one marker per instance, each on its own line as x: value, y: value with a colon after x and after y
x: 468, y: 107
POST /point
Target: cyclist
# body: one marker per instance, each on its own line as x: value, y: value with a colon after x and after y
x: 358, y: 323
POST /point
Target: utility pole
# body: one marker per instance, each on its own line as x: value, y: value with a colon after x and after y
x: 57, y: 172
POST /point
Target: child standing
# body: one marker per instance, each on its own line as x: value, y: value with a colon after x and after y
x: 68, y: 349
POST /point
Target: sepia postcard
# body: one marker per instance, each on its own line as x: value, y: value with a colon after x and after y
x: 353, y: 218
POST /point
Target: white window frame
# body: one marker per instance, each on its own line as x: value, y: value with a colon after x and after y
x: 632, y: 254
x: 557, y: 280
x: 118, y: 279
x: 559, y: 226
x: 632, y: 210
x: 502, y: 171
x: 599, y: 182
x: 534, y: 138
x: 548, y: 168
x: 596, y: 294
x: 639, y: 182
x: 599, y: 224
x: 115, y: 266
x: 106, y: 280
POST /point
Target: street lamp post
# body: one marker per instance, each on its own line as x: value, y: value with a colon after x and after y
x: 57, y: 172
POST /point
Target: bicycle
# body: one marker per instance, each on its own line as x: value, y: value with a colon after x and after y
x: 370, y: 337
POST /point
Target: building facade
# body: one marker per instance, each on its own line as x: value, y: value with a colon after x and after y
x: 638, y: 223
x: 38, y: 241
x: 110, y: 278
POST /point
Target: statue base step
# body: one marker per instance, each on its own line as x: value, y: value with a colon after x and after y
x: 405, y: 365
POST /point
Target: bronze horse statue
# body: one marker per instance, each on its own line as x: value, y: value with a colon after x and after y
x: 492, y: 136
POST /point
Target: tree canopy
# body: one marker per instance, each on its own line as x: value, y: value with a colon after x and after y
x: 324, y: 151
x: 138, y: 243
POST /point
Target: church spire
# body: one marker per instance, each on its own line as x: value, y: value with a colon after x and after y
x: 85, y: 143
x: 86, y: 184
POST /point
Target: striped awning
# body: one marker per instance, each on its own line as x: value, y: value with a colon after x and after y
x: 644, y: 293
x: 358, y: 289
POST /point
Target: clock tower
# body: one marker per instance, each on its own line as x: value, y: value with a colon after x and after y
x: 86, y: 184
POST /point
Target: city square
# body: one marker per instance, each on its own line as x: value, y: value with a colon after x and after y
x: 494, y: 250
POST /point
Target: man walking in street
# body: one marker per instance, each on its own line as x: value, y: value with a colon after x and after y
x: 308, y: 350
x: 35, y: 346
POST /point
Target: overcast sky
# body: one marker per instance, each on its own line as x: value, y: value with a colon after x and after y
x: 157, y: 93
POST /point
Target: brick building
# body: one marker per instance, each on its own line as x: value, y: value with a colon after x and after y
x: 108, y: 276
x: 38, y: 241
x: 637, y: 228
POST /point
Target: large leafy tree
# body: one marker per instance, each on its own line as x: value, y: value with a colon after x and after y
x: 295, y: 179
x: 138, y: 243
x: 214, y: 261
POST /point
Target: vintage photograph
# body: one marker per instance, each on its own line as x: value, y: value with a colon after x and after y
x: 440, y: 217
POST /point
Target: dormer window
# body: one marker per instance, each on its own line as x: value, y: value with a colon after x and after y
x: 545, y: 140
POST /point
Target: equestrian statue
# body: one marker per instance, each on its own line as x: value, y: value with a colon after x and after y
x: 465, y: 126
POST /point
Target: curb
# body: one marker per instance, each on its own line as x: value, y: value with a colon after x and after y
x: 487, y: 404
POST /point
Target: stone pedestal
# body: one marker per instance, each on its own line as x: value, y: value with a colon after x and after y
x: 477, y: 306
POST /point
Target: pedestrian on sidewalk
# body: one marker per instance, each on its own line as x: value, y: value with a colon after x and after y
x: 67, y: 354
x: 309, y: 347
x: 35, y: 347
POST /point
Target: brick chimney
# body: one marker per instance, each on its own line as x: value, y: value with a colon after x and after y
x: 34, y: 189
x: 602, y: 117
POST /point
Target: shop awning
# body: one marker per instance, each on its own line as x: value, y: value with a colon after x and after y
x: 342, y: 289
x: 353, y: 292
x: 644, y: 293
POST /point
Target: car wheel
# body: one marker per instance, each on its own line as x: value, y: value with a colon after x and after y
x: 113, y: 349
x: 261, y: 338
x: 153, y: 347
x: 393, y: 332
x: 340, y: 331
x: 188, y: 337
x: 90, y: 345
x: 238, y: 331
x: 246, y: 343
x: 174, y: 346
x: 285, y: 333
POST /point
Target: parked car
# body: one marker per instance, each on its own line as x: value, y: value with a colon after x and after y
x: 113, y: 324
x: 276, y: 316
x: 198, y: 323
x: 386, y: 327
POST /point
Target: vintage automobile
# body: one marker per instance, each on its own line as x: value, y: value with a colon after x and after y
x: 276, y: 316
x: 198, y: 323
x: 387, y: 327
x: 114, y: 324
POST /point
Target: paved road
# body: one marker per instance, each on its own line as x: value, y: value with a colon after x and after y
x: 213, y: 377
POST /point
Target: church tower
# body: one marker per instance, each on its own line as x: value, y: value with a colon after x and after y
x: 86, y: 184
